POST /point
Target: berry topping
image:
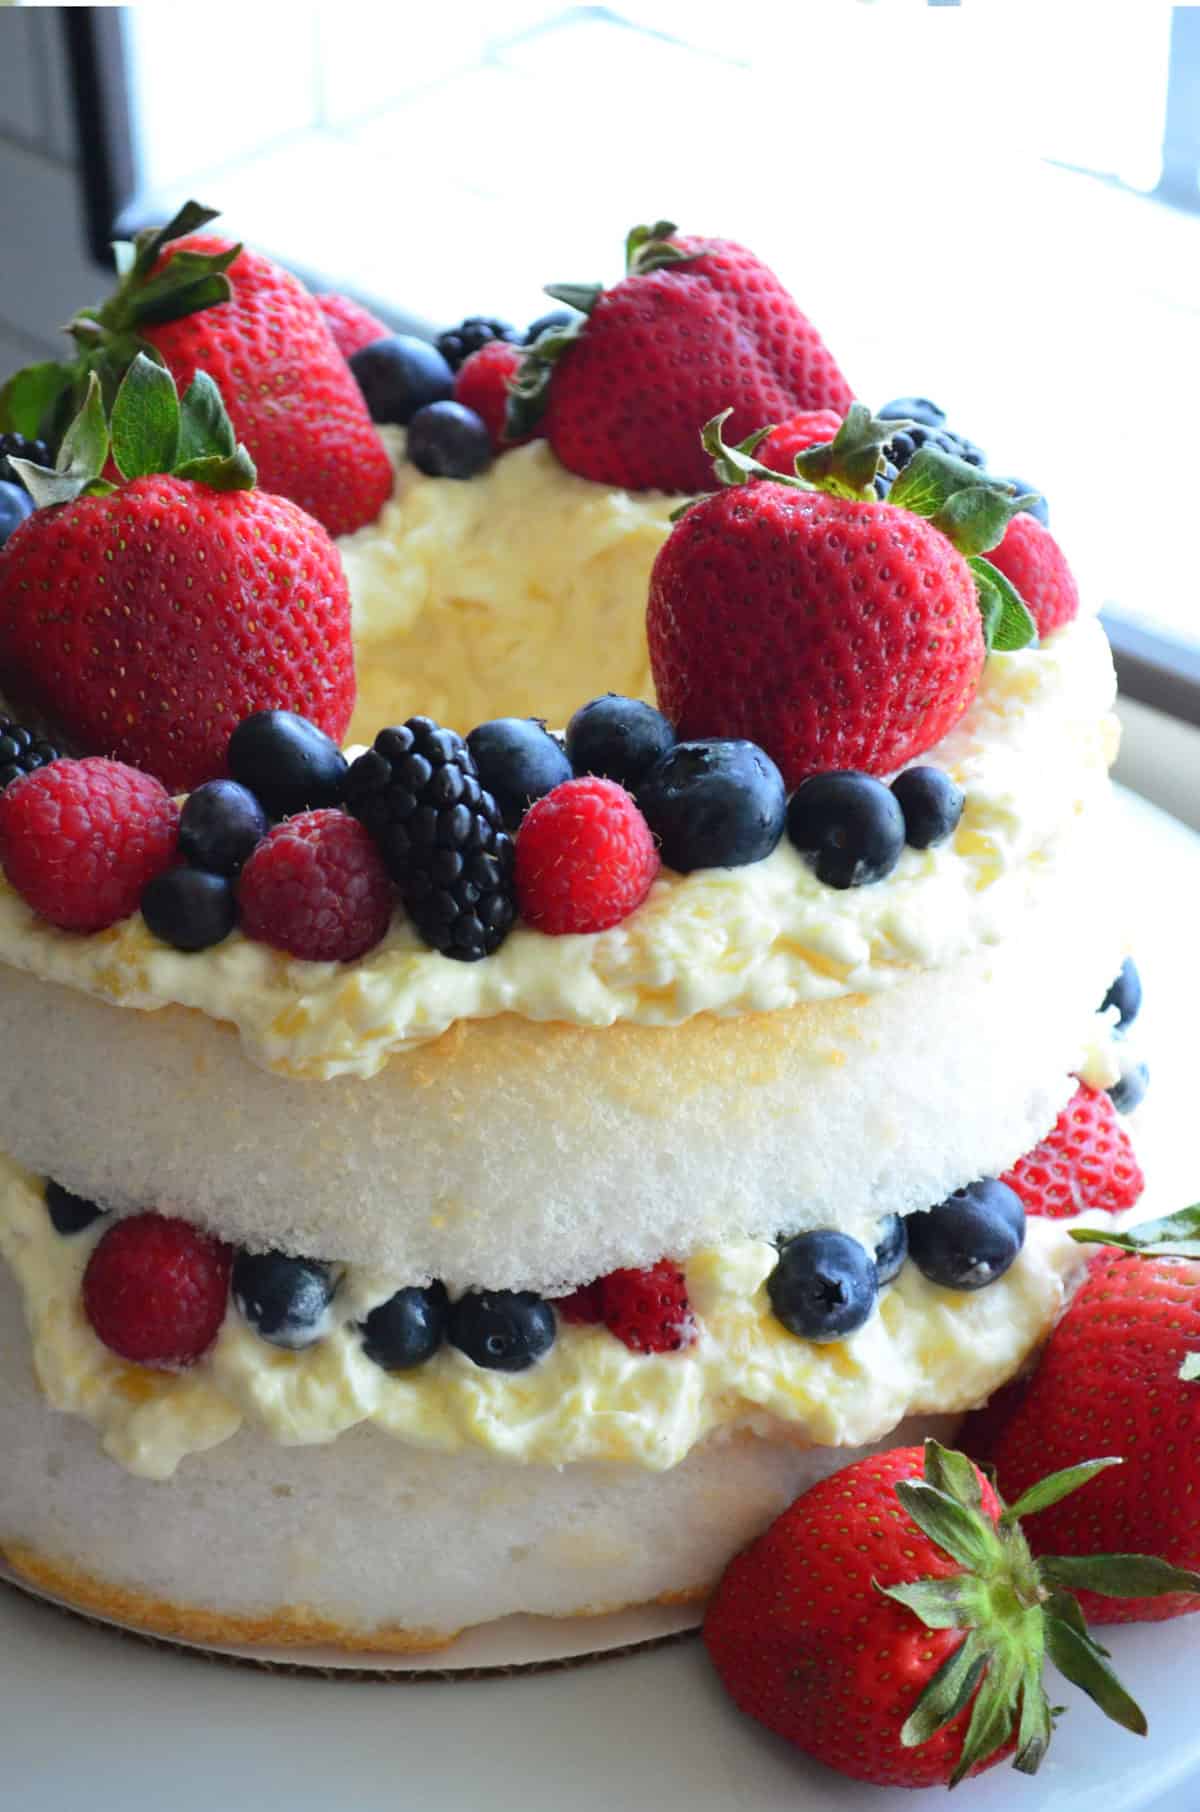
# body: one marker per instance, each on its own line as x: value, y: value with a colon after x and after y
x: 584, y: 1307
x: 458, y: 343
x: 400, y: 375
x: 316, y: 887
x: 620, y: 738
x: 351, y: 325
x: 502, y: 1330
x: 285, y: 1300
x: 1037, y: 505
x: 407, y: 1329
x: 807, y: 429
x: 931, y: 803
x: 714, y: 805
x: 1125, y: 995
x: 21, y: 752
x: 1085, y: 1162
x: 483, y: 383
x: 221, y: 824
x: 517, y: 761
x: 16, y: 506
x: 286, y: 762
x: 907, y: 442
x: 80, y: 840
x: 824, y: 1285
x: 1129, y: 1091
x: 1031, y: 559
x: 913, y: 409
x: 648, y: 1310
x: 891, y: 1248
x: 969, y: 1240
x: 70, y: 1213
x: 155, y: 1290
x: 849, y: 826
x: 440, y: 834
x: 585, y: 858
x: 190, y: 908
x: 445, y: 440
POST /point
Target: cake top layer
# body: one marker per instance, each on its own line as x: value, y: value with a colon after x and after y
x: 1031, y: 754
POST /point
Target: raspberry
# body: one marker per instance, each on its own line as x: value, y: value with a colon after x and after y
x: 80, y: 839
x: 481, y: 383
x: 351, y: 325
x: 807, y: 429
x: 584, y: 1306
x: 155, y: 1290
x: 585, y: 858
x: 1031, y: 557
x: 648, y: 1310
x: 1085, y: 1161
x: 317, y: 888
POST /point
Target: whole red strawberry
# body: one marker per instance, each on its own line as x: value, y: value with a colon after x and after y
x: 79, y: 840
x: 351, y: 325
x: 156, y: 1289
x: 150, y: 619
x: 482, y: 382
x: 585, y: 858
x: 1109, y: 1381
x: 203, y: 303
x: 1031, y: 557
x: 892, y: 1624
x: 697, y: 325
x: 834, y: 631
x: 1086, y: 1161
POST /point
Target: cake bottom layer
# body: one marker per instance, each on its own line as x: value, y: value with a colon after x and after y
x: 368, y: 1543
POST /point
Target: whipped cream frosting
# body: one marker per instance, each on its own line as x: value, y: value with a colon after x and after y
x: 1032, y: 754
x: 924, y: 1350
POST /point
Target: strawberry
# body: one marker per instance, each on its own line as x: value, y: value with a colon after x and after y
x: 351, y: 325
x: 151, y: 618
x: 1115, y: 1376
x: 646, y: 1310
x: 834, y: 631
x: 1086, y: 1161
x: 1032, y: 560
x: 481, y: 383
x: 893, y: 1622
x: 806, y: 429
x: 202, y: 303
x: 694, y: 326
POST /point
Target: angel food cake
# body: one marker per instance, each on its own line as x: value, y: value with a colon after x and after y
x: 473, y: 1175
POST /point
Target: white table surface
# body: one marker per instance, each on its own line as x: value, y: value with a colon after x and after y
x: 91, y: 1721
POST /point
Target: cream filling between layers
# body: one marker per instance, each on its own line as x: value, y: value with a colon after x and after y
x: 1032, y: 754
x: 924, y: 1349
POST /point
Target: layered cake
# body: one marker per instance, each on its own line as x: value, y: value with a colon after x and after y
x: 494, y: 1172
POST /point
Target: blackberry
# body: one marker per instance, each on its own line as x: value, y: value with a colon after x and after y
x: 440, y: 834
x: 458, y: 343
x: 902, y: 446
x: 20, y: 750
x: 18, y: 446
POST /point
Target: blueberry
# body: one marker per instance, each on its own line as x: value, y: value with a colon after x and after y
x: 220, y: 825
x: 70, y: 1213
x: 931, y: 803
x: 714, y: 805
x: 849, y: 826
x: 1130, y: 1090
x: 15, y: 505
x: 518, y: 761
x: 285, y: 1299
x: 446, y: 440
x: 286, y: 762
x: 913, y: 409
x: 189, y: 908
x: 971, y: 1239
x: 407, y: 1329
x: 891, y: 1248
x: 621, y: 738
x: 1125, y: 995
x: 1040, y: 509
x: 557, y: 317
x: 502, y: 1330
x: 399, y: 375
x: 824, y: 1285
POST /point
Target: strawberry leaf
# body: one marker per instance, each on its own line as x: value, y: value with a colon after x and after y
x: 953, y: 1473
x: 1055, y: 1486
x: 236, y: 473
x: 152, y: 241
x: 847, y: 465
x: 1083, y: 1663
x: 583, y: 296
x: 947, y: 1693
x: 1117, y: 1575
x: 649, y: 248
x: 966, y: 1534
x: 1189, y: 1371
x: 145, y: 420
x: 1172, y: 1236
x: 1037, y: 1719
x: 993, y: 1713
x: 957, y: 1603
x: 529, y: 389
x: 205, y: 430
x: 1007, y: 624
x: 81, y: 458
